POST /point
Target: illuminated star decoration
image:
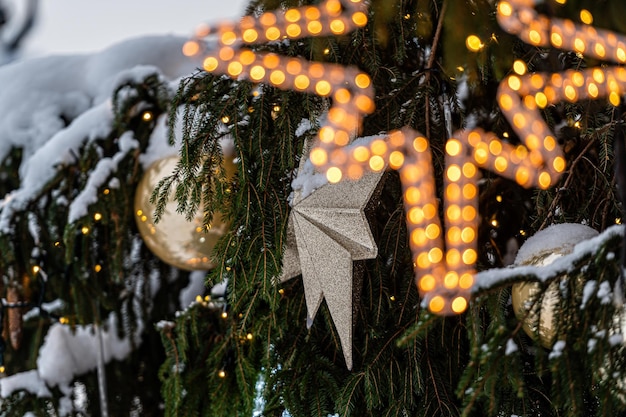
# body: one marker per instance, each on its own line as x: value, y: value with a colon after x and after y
x: 444, y: 274
x: 327, y: 232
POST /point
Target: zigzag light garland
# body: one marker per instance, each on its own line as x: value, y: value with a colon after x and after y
x: 444, y: 274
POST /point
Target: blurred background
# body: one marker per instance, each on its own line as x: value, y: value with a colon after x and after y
x: 72, y: 26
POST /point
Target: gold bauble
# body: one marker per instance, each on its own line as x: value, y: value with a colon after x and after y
x: 542, y: 249
x: 183, y: 244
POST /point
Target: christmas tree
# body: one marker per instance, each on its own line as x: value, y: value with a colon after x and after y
x: 352, y: 128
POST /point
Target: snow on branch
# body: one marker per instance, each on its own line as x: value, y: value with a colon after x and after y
x: 101, y: 173
x: 51, y: 106
x: 494, y: 278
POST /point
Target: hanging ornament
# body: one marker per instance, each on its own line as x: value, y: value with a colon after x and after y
x: 542, y: 249
x: 326, y: 233
x: 183, y: 244
x: 14, y: 317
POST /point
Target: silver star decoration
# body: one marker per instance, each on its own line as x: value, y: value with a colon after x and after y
x: 326, y: 233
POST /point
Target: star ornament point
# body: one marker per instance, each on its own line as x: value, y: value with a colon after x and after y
x: 444, y: 258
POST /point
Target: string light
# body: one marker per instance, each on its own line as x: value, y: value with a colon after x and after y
x: 474, y: 43
x: 519, y: 67
x: 586, y: 17
x: 444, y: 277
x: 221, y: 373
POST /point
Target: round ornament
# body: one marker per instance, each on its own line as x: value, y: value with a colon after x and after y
x: 183, y: 244
x: 542, y: 249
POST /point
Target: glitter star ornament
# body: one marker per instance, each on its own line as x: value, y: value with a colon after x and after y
x: 327, y: 232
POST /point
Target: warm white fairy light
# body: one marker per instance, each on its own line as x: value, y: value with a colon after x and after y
x: 474, y: 43
x: 445, y: 273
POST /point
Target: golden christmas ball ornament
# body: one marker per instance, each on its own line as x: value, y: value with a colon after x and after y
x: 542, y: 249
x: 176, y: 241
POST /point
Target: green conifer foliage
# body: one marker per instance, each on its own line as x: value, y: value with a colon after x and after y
x: 407, y: 362
x: 88, y: 265
x: 249, y: 352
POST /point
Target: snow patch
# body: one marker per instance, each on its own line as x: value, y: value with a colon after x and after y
x: 39, y: 95
x: 101, y: 173
x: 219, y: 290
x: 588, y: 290
x: 557, y: 349
x: 194, y: 288
x: 559, y: 237
x: 29, y: 381
x: 604, y: 293
x: 494, y: 277
x: 591, y: 345
x: 511, y: 347
x: 65, y: 354
x: 616, y: 339
x: 304, y: 126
